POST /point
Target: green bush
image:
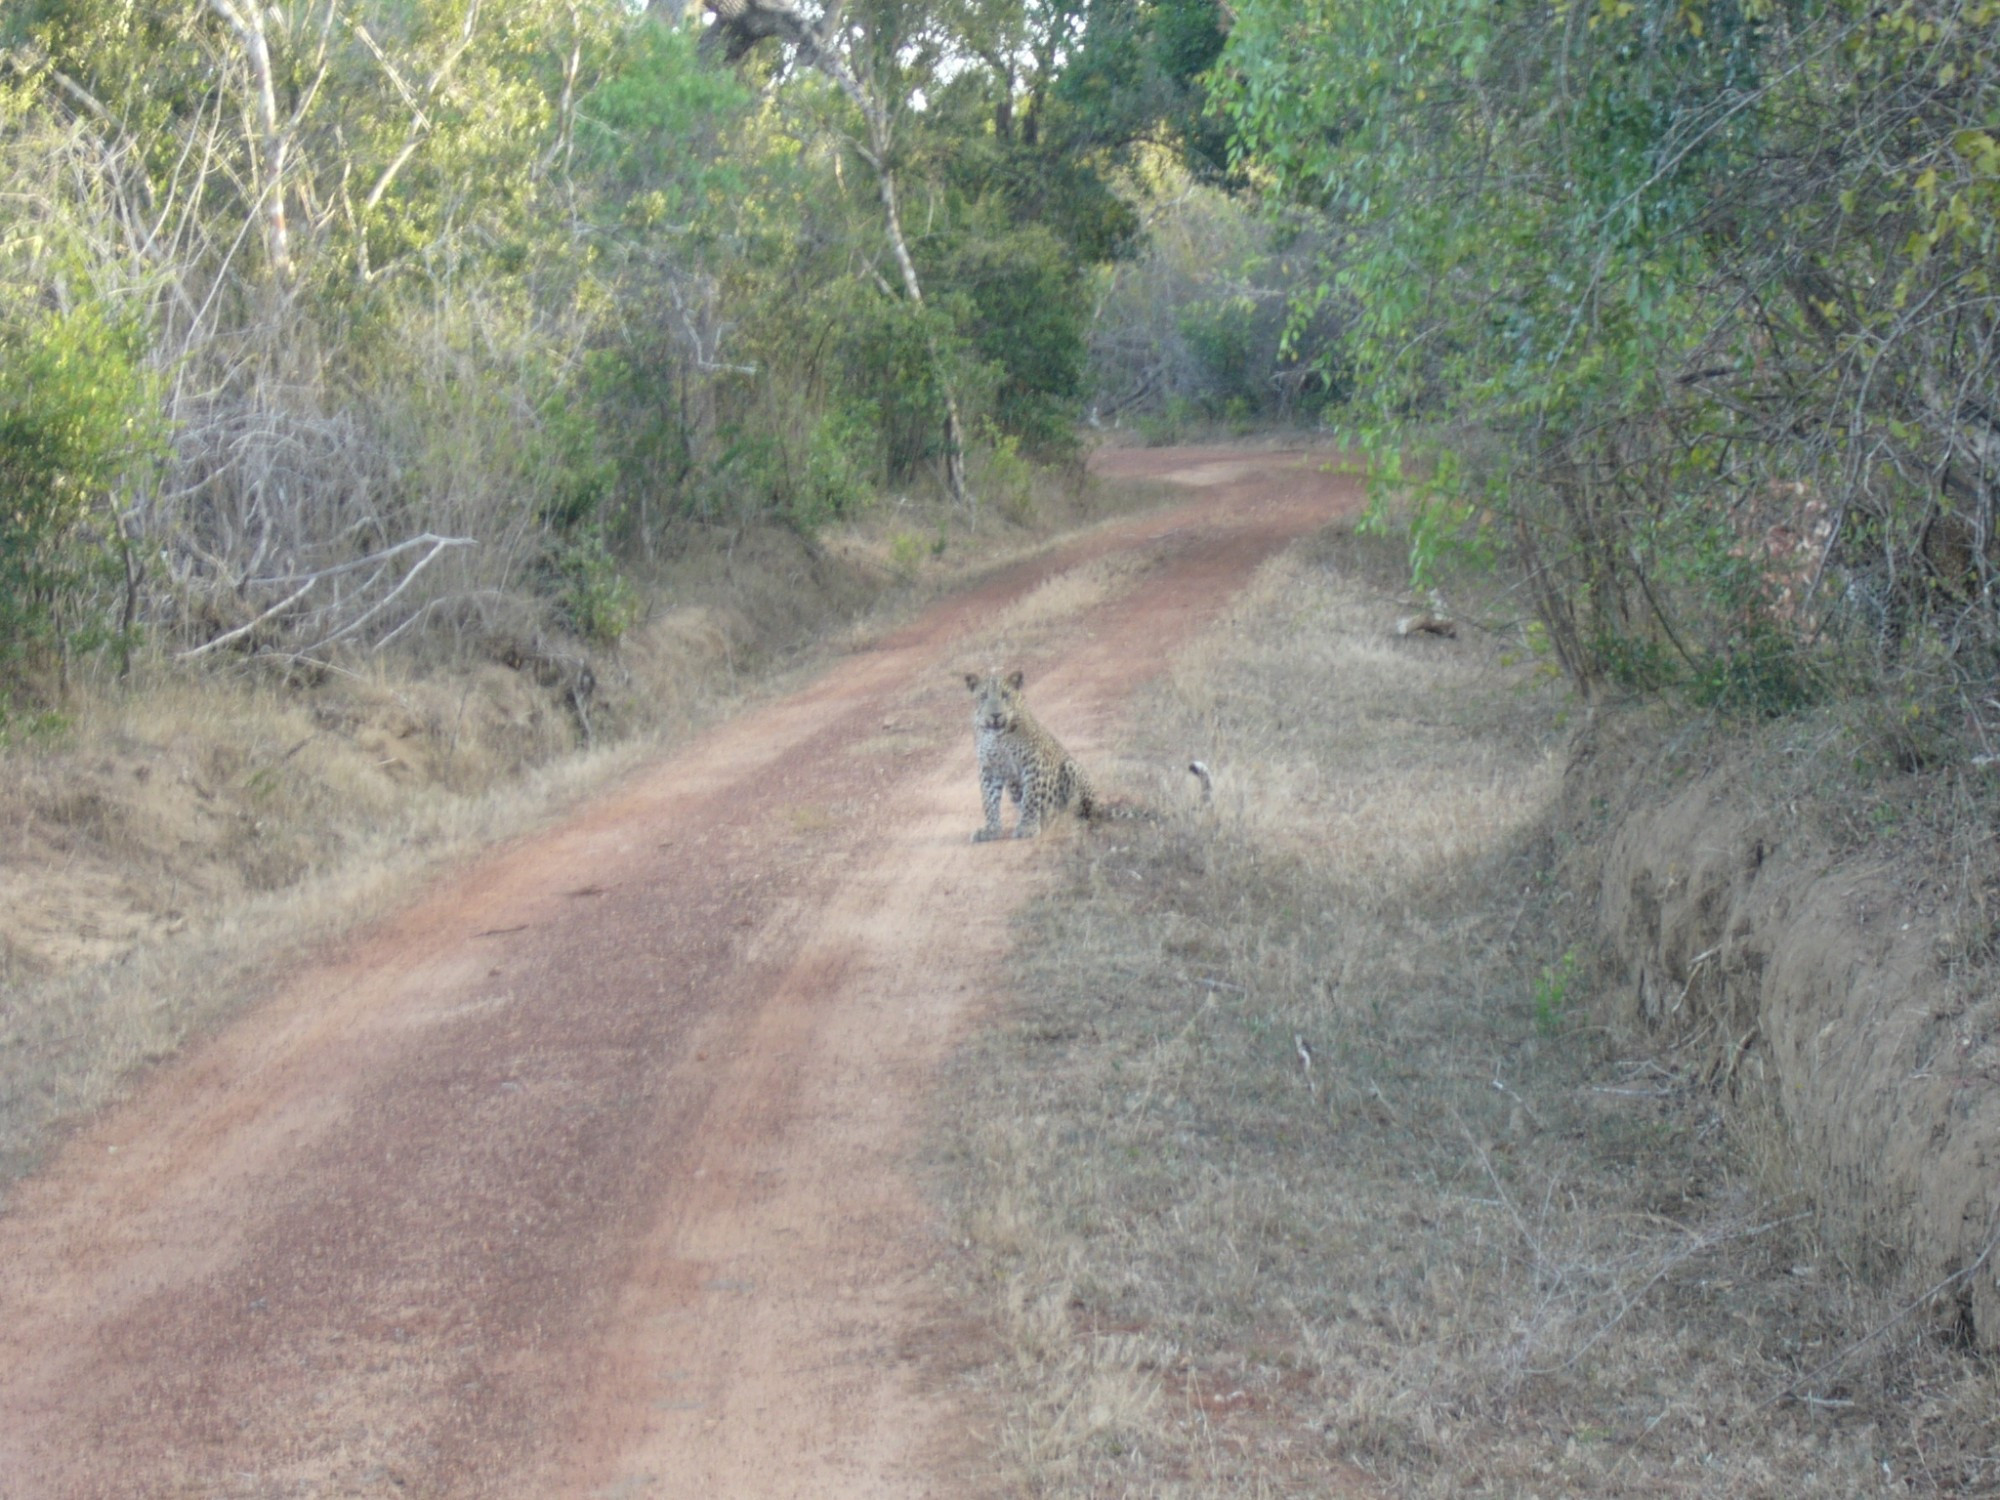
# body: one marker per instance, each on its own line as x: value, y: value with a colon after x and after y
x: 1003, y: 478
x: 840, y: 465
x: 1555, y: 992
x: 79, y: 418
x: 1221, y: 332
x: 906, y: 554
x: 1022, y: 312
x: 1713, y: 283
x: 592, y: 595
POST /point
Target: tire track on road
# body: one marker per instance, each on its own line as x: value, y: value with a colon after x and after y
x: 588, y: 1174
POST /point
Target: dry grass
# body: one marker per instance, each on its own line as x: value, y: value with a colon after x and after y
x: 1043, y: 610
x: 182, y: 839
x: 1476, y: 1248
x: 189, y: 833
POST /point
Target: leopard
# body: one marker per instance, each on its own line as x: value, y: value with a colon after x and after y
x: 1018, y: 756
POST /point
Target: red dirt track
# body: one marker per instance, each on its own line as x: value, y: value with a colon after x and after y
x: 588, y: 1175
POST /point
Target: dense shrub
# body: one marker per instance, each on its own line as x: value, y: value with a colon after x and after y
x: 1710, y: 286
x: 79, y: 421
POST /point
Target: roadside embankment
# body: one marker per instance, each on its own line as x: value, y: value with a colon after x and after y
x: 1815, y: 941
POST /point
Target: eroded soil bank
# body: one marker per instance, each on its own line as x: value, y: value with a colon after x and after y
x: 1820, y: 951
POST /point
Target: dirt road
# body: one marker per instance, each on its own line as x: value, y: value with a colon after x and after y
x: 588, y: 1175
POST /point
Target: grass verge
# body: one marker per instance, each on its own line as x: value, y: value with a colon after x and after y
x: 1295, y: 1165
x: 179, y: 838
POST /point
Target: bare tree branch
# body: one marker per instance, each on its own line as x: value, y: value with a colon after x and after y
x: 248, y: 24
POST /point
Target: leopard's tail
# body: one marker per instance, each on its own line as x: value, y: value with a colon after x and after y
x: 1094, y: 809
x: 1120, y: 812
x: 1087, y: 805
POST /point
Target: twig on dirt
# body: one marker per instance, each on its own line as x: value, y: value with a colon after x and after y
x: 1699, y: 1034
x: 1632, y: 1445
x: 1507, y: 938
x: 1628, y: 1301
x: 1737, y: 1054
x: 1697, y: 1244
x: 1499, y: 1187
x: 1693, y: 969
x: 1637, y: 1065
x: 275, y: 761
x: 1636, y: 1070
x: 296, y: 659
x: 307, y: 582
x: 438, y: 545
x: 1812, y: 1375
x: 355, y: 565
x: 1383, y: 1100
x: 417, y: 616
x: 1501, y: 1085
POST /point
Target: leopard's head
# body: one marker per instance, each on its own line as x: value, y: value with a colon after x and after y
x: 996, y: 700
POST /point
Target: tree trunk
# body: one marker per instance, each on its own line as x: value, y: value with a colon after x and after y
x: 954, y: 430
x: 739, y: 25
x: 248, y: 24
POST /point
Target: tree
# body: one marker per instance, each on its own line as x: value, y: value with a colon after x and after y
x: 1714, y: 281
x: 828, y: 47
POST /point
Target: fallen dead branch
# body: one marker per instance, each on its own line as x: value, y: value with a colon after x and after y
x: 343, y: 622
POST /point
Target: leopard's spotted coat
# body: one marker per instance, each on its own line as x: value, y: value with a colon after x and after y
x: 1019, y: 757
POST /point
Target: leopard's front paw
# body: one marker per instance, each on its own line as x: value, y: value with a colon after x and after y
x: 985, y: 834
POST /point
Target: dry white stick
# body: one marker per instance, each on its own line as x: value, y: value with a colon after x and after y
x: 440, y: 544
x: 224, y: 639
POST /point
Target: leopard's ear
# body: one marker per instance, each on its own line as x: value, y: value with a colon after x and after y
x: 972, y: 681
x: 1015, y: 679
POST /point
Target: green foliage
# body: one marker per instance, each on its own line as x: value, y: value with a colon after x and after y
x: 1428, y: 501
x: 1140, y: 72
x: 1760, y: 671
x: 590, y: 591
x: 1553, y: 992
x: 79, y: 418
x: 880, y: 349
x: 27, y: 727
x: 1021, y: 312
x: 1168, y: 425
x: 1006, y: 478
x: 565, y: 463
x: 841, y: 463
x: 906, y: 554
x: 1709, y: 281
x: 1204, y: 312
x: 651, y: 136
x: 552, y: 284
x: 1441, y: 528
x: 1222, y: 333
